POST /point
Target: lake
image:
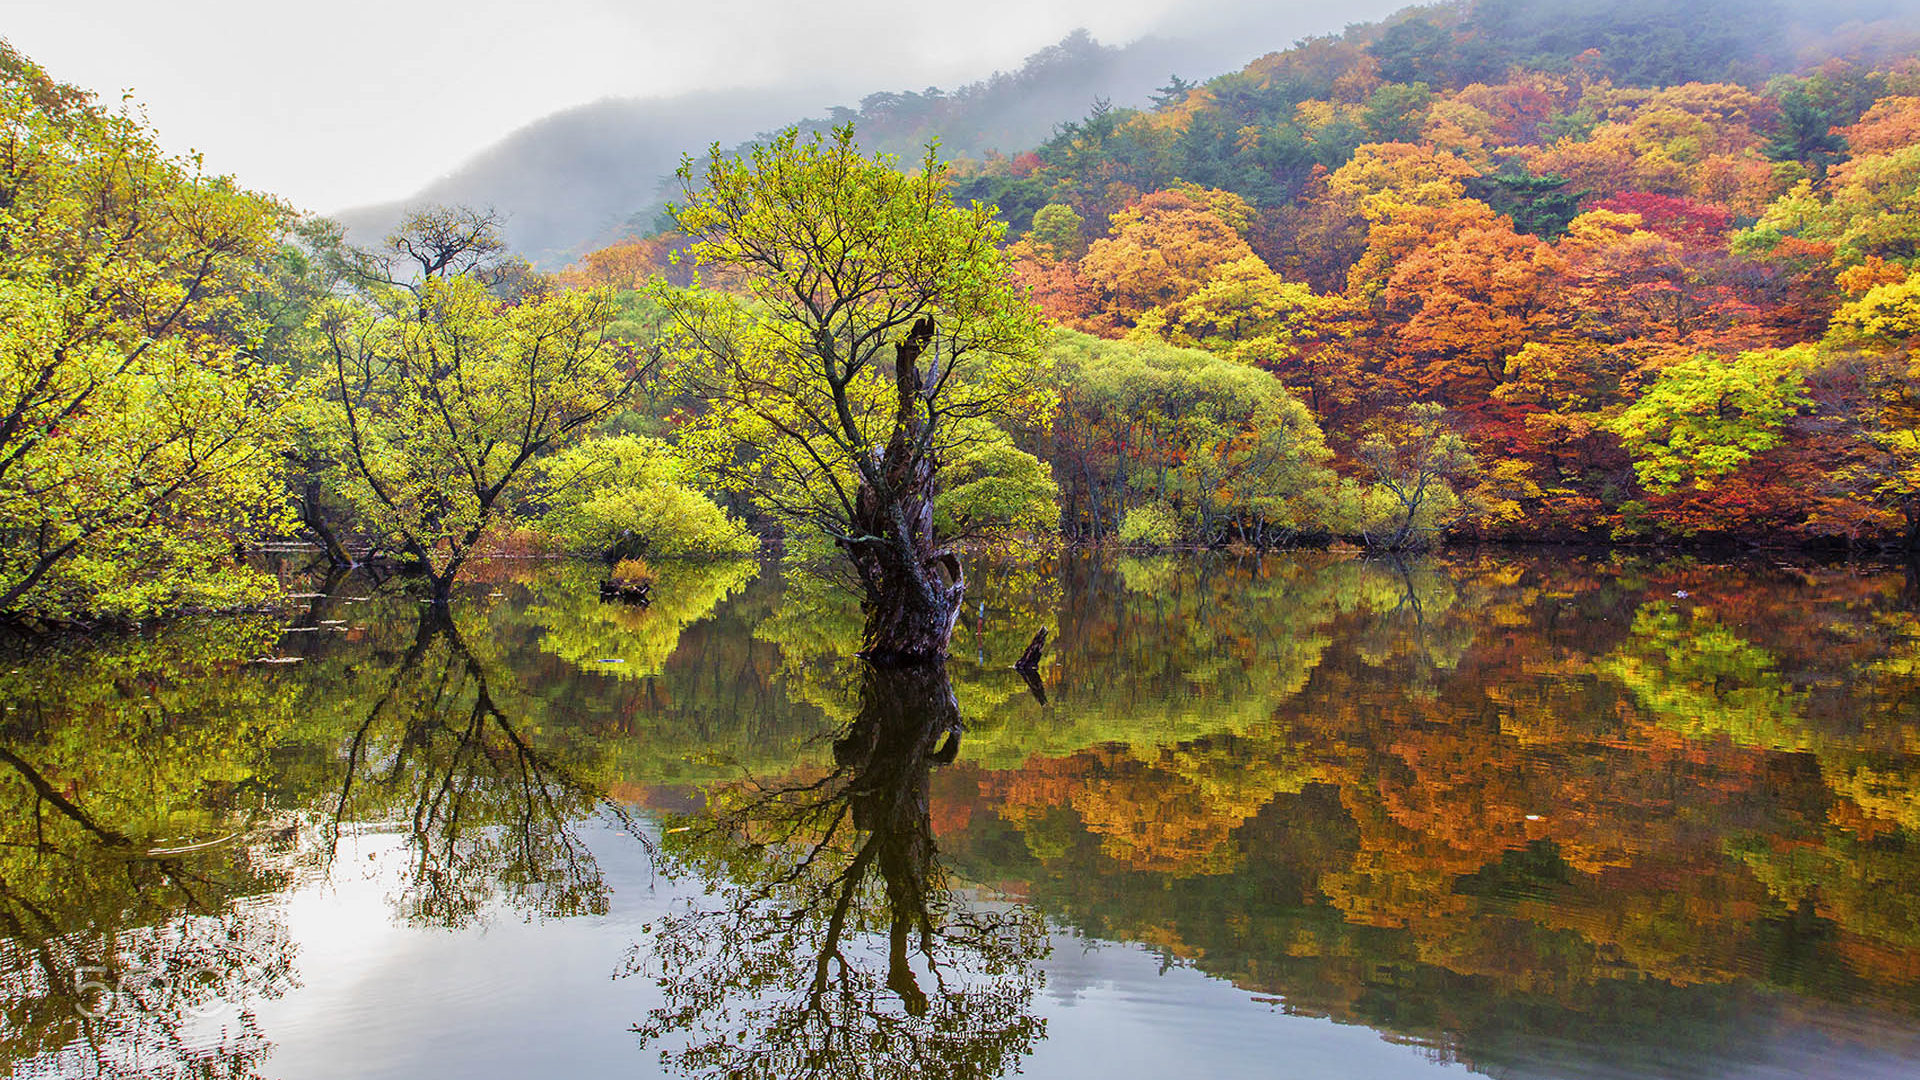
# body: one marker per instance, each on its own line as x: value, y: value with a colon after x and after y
x: 1307, y: 815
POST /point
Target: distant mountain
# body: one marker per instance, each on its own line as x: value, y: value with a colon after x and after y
x: 570, y: 177
x: 579, y: 177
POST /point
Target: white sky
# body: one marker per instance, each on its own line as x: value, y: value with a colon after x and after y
x: 357, y: 101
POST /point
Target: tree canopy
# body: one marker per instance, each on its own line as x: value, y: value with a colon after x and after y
x: 137, y: 426
x: 868, y: 329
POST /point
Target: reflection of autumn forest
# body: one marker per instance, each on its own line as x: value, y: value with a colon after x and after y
x: 1461, y: 800
x: 1437, y: 799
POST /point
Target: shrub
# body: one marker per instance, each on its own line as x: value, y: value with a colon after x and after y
x: 1151, y: 525
x: 632, y: 572
x: 600, y: 491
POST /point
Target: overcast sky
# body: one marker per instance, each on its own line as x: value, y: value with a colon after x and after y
x: 353, y: 101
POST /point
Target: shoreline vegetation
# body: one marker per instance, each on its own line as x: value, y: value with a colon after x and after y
x: 1456, y: 278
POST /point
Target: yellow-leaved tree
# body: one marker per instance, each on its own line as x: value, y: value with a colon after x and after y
x: 435, y: 394
x: 872, y: 339
x: 137, y: 427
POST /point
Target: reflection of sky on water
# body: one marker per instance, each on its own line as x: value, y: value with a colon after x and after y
x: 517, y: 999
x: 509, y: 998
x: 1114, y: 1012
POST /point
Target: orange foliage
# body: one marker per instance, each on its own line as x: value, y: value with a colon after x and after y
x: 1163, y: 248
x: 1458, y: 309
x: 630, y: 264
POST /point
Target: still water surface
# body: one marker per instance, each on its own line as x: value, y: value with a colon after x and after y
x: 1307, y: 816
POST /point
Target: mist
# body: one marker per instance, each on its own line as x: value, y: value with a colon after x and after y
x: 582, y: 176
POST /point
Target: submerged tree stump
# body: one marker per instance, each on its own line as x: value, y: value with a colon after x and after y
x: 625, y: 593
x: 1030, y: 659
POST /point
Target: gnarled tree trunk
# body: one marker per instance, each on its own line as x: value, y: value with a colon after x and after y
x: 913, y: 586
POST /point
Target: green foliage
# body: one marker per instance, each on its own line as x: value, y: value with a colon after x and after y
x: 599, y: 491
x: 1149, y: 525
x: 1639, y: 42
x: 138, y: 438
x: 1867, y: 209
x: 1541, y: 205
x: 1705, y: 417
x: 1418, y: 461
x: 434, y: 397
x: 992, y: 489
x: 1220, y: 443
x: 1056, y: 232
x: 835, y: 257
x: 1814, y: 108
x: 1396, y: 112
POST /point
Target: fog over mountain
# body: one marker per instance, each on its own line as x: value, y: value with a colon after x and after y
x: 578, y: 176
x: 581, y: 177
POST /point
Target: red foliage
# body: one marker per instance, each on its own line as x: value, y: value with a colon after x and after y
x: 1693, y: 223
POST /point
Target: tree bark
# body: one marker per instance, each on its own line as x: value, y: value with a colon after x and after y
x: 913, y: 585
x: 315, y: 521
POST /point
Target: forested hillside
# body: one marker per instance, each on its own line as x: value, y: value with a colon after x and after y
x: 1633, y: 273
x: 1575, y: 270
x: 579, y: 178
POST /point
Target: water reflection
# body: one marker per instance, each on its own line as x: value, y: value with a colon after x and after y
x: 133, y: 864
x: 489, y: 816
x: 1537, y: 816
x: 832, y: 942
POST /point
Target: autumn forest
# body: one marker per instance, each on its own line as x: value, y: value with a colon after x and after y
x: 1586, y: 298
x: 1400, y: 558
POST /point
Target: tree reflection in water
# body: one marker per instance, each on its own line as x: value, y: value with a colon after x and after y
x: 489, y: 816
x: 833, y: 942
x: 134, y: 875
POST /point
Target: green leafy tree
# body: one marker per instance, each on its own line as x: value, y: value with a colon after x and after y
x: 1418, y: 461
x: 438, y: 394
x: 1056, y: 232
x: 137, y: 426
x: 1705, y: 417
x: 994, y: 490
x: 874, y: 330
x: 635, y: 493
x: 1221, y: 445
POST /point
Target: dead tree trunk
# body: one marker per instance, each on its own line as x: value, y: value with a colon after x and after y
x: 913, y: 586
x: 1030, y: 659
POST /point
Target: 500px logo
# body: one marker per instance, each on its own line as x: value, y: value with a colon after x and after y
x: 99, y: 991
